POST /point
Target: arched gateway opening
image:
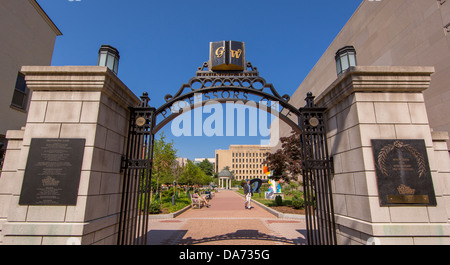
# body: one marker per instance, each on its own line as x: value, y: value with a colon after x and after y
x: 227, y: 77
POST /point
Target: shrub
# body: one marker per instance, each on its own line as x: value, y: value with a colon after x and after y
x: 298, y: 201
x: 278, y: 200
x: 155, y: 207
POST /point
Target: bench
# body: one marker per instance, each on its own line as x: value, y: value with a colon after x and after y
x: 195, y: 202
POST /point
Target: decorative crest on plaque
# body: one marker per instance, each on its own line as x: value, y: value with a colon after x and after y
x: 400, y: 145
x: 405, y: 190
x: 50, y: 182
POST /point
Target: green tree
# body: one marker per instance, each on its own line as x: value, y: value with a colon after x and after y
x: 207, y: 167
x: 193, y: 175
x: 164, y: 155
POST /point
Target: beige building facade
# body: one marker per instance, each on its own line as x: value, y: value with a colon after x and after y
x: 393, y: 33
x: 245, y: 161
x: 28, y: 38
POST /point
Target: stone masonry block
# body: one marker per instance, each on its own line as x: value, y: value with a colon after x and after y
x: 352, y: 161
x: 83, y: 131
x: 46, y: 213
x: 358, y: 207
x: 392, y: 112
x: 36, y: 111
x: 418, y: 113
x: 366, y: 112
x: 89, y: 112
x: 60, y: 111
x: 409, y: 214
x: 344, y: 183
x: 41, y: 130
x: 66, y: 95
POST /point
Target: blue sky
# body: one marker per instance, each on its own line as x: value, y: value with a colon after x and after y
x: 162, y: 43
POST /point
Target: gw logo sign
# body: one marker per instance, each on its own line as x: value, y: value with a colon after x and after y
x: 227, y: 56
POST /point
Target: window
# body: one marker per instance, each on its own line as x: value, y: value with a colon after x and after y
x: 20, y: 96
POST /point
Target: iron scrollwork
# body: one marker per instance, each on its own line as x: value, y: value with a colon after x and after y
x: 248, y: 79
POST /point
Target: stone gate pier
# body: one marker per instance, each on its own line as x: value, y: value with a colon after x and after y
x: 69, y: 102
x: 374, y: 197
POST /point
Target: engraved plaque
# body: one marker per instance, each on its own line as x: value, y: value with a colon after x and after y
x: 403, y: 173
x: 52, y: 174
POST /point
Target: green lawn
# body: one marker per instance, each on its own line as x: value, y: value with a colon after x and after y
x: 166, y: 204
x: 286, y: 202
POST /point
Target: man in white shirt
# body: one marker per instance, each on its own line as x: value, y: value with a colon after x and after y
x: 248, y: 195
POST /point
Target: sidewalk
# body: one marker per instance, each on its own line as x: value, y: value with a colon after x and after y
x: 227, y: 222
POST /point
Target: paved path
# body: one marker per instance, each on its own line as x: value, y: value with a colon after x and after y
x: 226, y: 222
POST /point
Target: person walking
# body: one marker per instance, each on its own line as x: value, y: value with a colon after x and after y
x: 248, y: 195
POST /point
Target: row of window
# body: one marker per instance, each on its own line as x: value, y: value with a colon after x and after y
x: 249, y: 154
x: 250, y: 177
x: 247, y: 166
x: 248, y: 160
x: 248, y: 171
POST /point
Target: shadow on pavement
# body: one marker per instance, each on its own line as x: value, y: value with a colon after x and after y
x: 245, y: 235
x: 165, y: 237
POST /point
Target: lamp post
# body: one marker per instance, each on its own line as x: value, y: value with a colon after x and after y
x: 345, y: 58
x: 173, y: 197
x: 109, y: 56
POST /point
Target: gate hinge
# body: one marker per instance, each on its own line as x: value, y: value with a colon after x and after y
x: 123, y: 164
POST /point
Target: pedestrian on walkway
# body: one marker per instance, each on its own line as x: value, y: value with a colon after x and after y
x: 201, y: 198
x: 248, y: 195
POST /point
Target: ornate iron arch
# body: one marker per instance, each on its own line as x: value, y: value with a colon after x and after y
x: 222, y: 87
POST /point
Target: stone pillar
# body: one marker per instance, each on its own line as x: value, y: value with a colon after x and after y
x: 368, y: 103
x: 9, y: 176
x: 442, y: 160
x: 70, y: 102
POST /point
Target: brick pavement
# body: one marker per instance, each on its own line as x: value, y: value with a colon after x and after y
x: 226, y: 222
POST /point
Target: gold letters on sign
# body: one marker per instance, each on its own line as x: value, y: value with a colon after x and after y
x: 227, y: 56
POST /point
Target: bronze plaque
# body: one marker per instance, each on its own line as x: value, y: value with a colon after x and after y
x: 52, y: 174
x: 403, y: 173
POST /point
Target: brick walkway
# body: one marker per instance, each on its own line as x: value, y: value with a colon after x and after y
x: 226, y: 222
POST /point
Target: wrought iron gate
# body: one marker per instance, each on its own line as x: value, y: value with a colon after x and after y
x: 137, y: 171
x: 224, y: 87
x: 317, y: 171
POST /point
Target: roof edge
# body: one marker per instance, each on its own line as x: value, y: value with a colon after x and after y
x: 44, y: 15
